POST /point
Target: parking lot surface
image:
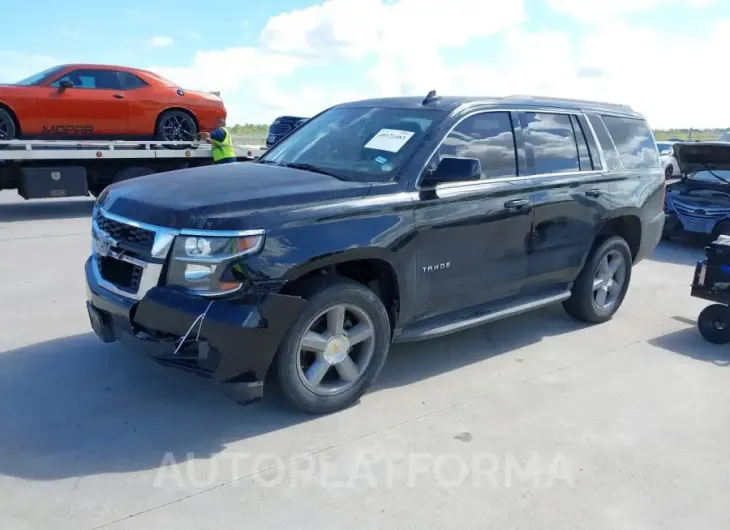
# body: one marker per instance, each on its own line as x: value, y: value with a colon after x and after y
x: 534, y: 422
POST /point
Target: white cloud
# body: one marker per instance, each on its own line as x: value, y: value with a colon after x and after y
x: 409, y: 47
x: 343, y: 28
x: 600, y: 11
x: 161, y: 41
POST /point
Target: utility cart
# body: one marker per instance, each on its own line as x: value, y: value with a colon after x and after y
x: 712, y: 282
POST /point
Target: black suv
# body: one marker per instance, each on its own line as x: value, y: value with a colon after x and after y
x: 282, y: 126
x: 378, y: 221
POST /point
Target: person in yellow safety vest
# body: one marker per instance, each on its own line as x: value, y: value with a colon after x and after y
x: 222, y: 146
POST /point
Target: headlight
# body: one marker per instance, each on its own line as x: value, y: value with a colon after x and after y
x: 199, y: 261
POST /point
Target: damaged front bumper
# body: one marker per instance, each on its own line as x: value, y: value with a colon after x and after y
x: 231, y: 341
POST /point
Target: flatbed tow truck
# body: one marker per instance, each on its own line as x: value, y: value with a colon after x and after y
x: 44, y: 169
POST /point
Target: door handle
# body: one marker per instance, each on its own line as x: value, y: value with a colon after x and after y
x: 118, y: 96
x: 593, y: 193
x: 516, y: 204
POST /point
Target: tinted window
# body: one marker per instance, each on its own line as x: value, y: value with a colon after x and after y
x: 584, y: 155
x: 549, y: 142
x: 609, y: 151
x: 488, y: 137
x: 100, y: 79
x: 634, y: 142
x: 130, y: 81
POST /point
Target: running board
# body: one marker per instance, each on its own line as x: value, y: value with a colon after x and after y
x: 430, y: 330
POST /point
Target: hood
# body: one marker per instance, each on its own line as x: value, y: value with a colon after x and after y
x: 701, y: 156
x: 222, y: 197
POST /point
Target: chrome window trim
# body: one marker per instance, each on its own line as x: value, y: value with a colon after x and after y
x: 601, y: 155
x: 515, y: 177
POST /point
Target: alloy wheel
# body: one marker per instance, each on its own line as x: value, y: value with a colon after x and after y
x: 609, y: 280
x: 336, y: 349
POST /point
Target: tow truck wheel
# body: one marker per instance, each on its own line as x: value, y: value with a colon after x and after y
x: 714, y: 324
x: 336, y: 348
x: 602, y: 284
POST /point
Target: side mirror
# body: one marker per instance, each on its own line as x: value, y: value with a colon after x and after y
x: 64, y: 84
x: 453, y: 169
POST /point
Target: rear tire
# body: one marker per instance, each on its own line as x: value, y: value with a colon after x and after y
x: 714, y: 324
x: 176, y: 126
x: 361, y: 362
x: 597, y: 293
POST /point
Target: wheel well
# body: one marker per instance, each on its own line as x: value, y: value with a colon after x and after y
x: 376, y: 274
x: 181, y: 109
x: 13, y: 116
x: 628, y: 227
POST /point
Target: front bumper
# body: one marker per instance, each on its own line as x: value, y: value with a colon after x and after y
x: 233, y: 341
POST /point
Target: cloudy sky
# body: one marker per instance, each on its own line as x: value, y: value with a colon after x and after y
x: 666, y: 58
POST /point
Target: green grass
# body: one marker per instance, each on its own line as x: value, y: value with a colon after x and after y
x: 254, y: 132
x: 684, y: 134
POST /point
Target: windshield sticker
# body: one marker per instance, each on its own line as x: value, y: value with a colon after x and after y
x: 381, y: 160
x: 391, y: 140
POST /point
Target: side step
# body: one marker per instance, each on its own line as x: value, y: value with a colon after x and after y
x: 445, y: 325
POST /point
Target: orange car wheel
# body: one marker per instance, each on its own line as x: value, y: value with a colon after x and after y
x: 176, y: 126
x: 8, y: 131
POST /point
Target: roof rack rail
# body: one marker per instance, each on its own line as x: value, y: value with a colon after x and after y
x: 569, y: 100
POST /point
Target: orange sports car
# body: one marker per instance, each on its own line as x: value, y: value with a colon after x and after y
x: 86, y: 101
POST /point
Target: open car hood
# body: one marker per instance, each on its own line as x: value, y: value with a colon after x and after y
x: 701, y: 156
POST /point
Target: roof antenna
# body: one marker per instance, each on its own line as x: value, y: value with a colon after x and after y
x: 431, y: 96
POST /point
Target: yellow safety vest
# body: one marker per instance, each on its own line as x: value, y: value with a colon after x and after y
x: 223, y: 149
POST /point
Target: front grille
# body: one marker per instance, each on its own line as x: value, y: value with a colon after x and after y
x: 280, y: 129
x: 704, y: 213
x: 123, y: 275
x: 124, y: 232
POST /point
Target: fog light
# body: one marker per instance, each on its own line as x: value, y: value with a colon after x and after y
x: 196, y: 272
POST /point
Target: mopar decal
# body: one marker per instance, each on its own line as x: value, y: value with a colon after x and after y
x: 68, y: 129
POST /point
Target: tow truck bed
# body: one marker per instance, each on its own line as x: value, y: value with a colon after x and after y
x: 41, y: 169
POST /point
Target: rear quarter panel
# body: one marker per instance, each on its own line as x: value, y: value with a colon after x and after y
x: 147, y: 104
x: 640, y: 194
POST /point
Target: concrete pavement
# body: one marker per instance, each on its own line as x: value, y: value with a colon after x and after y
x: 533, y: 422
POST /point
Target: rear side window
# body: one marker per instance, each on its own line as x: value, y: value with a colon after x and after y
x: 609, y: 151
x: 634, y: 141
x: 550, y: 143
x: 130, y: 81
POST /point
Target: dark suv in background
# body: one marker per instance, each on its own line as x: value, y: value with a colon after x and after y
x: 282, y: 126
x: 378, y: 221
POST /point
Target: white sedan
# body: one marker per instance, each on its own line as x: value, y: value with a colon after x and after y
x: 666, y: 155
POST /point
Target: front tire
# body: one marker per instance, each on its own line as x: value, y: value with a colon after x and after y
x: 336, y: 348
x: 8, y: 131
x: 714, y: 323
x: 602, y: 284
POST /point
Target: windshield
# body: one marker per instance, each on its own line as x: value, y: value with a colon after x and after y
x: 37, y: 79
x: 356, y: 143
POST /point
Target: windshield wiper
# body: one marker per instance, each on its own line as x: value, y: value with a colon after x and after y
x: 313, y: 169
x: 711, y: 172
